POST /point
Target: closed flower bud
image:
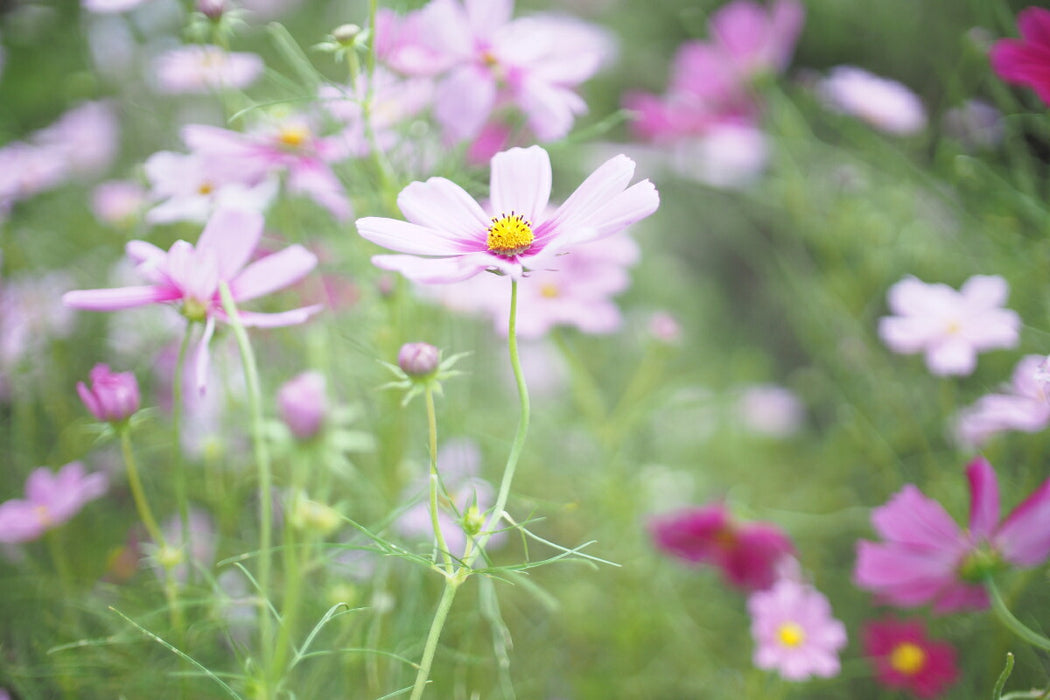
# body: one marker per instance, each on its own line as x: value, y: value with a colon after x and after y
x: 212, y: 9
x: 418, y: 359
x: 346, y: 33
x: 303, y: 404
x: 113, y: 396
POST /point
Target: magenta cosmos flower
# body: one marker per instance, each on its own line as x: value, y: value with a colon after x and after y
x: 926, y: 558
x: 190, y: 276
x: 794, y: 631
x: 905, y: 658
x: 950, y: 327
x: 747, y: 553
x: 112, y: 397
x: 448, y: 236
x: 1026, y: 61
x: 51, y: 499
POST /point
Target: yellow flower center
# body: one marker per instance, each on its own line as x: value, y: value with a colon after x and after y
x: 42, y: 515
x: 549, y: 290
x: 293, y: 135
x: 510, y: 235
x: 791, y: 634
x: 205, y: 188
x: 907, y: 658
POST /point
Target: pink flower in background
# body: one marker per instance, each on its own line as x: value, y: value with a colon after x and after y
x: 906, y: 659
x: 448, y: 237
x: 949, y: 327
x: 289, y: 147
x: 302, y: 403
x: 755, y: 40
x: 51, y: 499
x: 1026, y: 61
x: 885, y: 104
x: 192, y: 187
x: 87, y: 137
x: 118, y: 202
x: 490, y: 60
x: 112, y: 397
x: 204, y: 69
x: 110, y: 6
x: 926, y: 558
x: 190, y: 275
x: 794, y: 631
x: 1024, y: 406
x: 201, y: 546
x: 747, y: 553
x: 770, y: 410
x: 30, y: 317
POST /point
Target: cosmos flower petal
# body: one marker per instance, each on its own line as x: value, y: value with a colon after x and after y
x: 464, y: 101
x: 521, y: 182
x: 119, y: 298
x: 913, y: 519
x: 441, y: 202
x: 276, y: 271
x: 203, y: 356
x: 609, y: 180
x: 984, y: 498
x: 255, y: 319
x: 1024, y: 537
x: 988, y: 291
x: 405, y: 237
x: 233, y: 235
x: 434, y: 270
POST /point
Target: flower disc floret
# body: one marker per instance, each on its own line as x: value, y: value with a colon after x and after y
x: 510, y: 235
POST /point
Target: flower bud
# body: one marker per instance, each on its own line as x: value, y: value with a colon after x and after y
x: 473, y: 520
x: 346, y: 33
x: 418, y: 359
x: 302, y: 404
x: 113, y: 396
x: 212, y: 9
x: 311, y: 516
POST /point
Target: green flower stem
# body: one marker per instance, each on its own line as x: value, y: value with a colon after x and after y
x: 265, y: 477
x: 145, y: 512
x: 440, y: 615
x: 439, y: 538
x: 182, y: 501
x: 1011, y: 622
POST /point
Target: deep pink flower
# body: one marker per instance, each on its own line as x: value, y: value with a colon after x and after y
x: 460, y: 239
x: 794, y: 631
x: 190, y: 276
x: 113, y: 396
x: 303, y: 404
x: 756, y: 40
x: 51, y: 499
x: 950, y: 327
x: 905, y: 658
x: 1026, y: 61
x: 747, y: 553
x: 1023, y: 406
x: 926, y: 558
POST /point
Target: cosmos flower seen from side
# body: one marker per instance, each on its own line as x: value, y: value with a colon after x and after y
x: 448, y: 237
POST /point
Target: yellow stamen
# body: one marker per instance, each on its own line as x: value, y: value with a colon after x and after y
x: 791, y: 634
x: 205, y: 188
x: 42, y: 515
x: 510, y: 235
x: 907, y: 658
x: 293, y: 135
x: 549, y: 290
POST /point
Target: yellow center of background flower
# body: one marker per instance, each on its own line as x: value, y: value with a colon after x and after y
x: 293, y: 136
x: 791, y: 634
x: 510, y: 235
x: 907, y: 658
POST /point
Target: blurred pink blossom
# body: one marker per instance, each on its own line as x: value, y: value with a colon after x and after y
x: 51, y: 499
x: 883, y: 103
x: 904, y: 657
x: 926, y: 558
x: 191, y: 277
x: 950, y: 327
x: 118, y: 202
x: 202, y: 69
x: 755, y: 40
x: 747, y: 553
x: 1026, y: 61
x: 30, y: 316
x: 87, y: 137
x: 449, y: 238
x: 1024, y: 406
x: 770, y: 409
x: 794, y: 631
x: 302, y: 404
x: 193, y: 186
x: 112, y: 397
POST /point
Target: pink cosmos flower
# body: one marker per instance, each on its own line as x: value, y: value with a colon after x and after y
x: 755, y: 40
x: 118, y: 202
x: 926, y: 558
x: 1026, y: 61
x: 303, y: 403
x: 190, y: 275
x: 204, y: 69
x: 51, y: 499
x: 794, y: 631
x: 905, y: 658
x: 112, y: 397
x: 289, y: 146
x: 885, y: 104
x: 770, y: 410
x: 1024, y: 406
x: 87, y: 137
x: 949, y: 327
x: 489, y: 60
x: 448, y: 237
x: 747, y: 553
x: 193, y: 186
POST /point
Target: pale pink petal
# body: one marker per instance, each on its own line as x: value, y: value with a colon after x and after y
x: 406, y: 237
x: 119, y: 298
x: 985, y: 291
x: 992, y: 329
x: 441, y: 205
x: 550, y: 109
x: 984, y: 498
x: 233, y: 235
x: 911, y: 518
x: 273, y: 272
x: 435, y: 270
x: 912, y: 296
x: 521, y: 182
x: 908, y: 334
x: 608, y: 181
x: 464, y: 102
x: 487, y: 16
x: 143, y: 251
x: 19, y: 522
x: 316, y: 180
x: 954, y: 356
x: 254, y: 319
x: 635, y: 203
x: 203, y: 355
x: 1024, y: 537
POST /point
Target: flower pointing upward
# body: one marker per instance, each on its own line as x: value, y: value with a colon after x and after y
x: 192, y: 275
x: 448, y: 236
